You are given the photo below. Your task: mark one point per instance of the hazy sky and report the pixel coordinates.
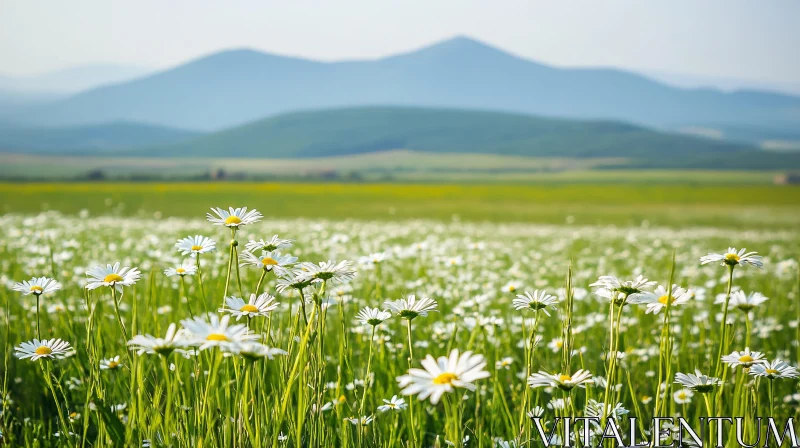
(756, 40)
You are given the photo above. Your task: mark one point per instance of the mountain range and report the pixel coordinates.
(235, 87)
(359, 130)
(336, 134)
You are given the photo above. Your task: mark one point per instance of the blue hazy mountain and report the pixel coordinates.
(88, 139)
(16, 102)
(72, 80)
(238, 86)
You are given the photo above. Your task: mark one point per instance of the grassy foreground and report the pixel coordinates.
(334, 378)
(758, 206)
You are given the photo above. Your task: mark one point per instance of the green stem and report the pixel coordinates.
(722, 332)
(230, 267)
(291, 378)
(200, 284)
(771, 398)
(411, 426)
(168, 411)
(303, 306)
(410, 346)
(38, 328)
(261, 279)
(709, 414)
(121, 324)
(366, 377)
(747, 326)
(48, 377)
(212, 375)
(182, 293)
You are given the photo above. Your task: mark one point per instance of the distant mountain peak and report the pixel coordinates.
(464, 41)
(459, 46)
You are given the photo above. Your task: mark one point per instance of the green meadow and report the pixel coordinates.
(589, 203)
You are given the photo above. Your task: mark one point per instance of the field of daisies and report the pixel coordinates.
(238, 330)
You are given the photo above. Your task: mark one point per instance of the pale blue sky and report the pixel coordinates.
(755, 40)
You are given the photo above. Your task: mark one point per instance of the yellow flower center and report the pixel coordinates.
(771, 371)
(180, 270)
(559, 344)
(682, 395)
(112, 278)
(269, 262)
(232, 220)
(196, 247)
(216, 337)
(248, 309)
(113, 365)
(563, 378)
(445, 378)
(43, 350)
(734, 258)
(663, 300)
(746, 358)
(511, 289)
(36, 288)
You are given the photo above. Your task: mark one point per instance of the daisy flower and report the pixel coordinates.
(537, 411)
(500, 443)
(732, 258)
(363, 421)
(182, 270)
(172, 341)
(268, 261)
(394, 404)
(269, 245)
(600, 410)
(112, 276)
(194, 245)
(37, 286)
(214, 331)
(409, 307)
(556, 345)
(560, 380)
(697, 381)
(537, 301)
(745, 358)
(372, 316)
(444, 374)
(47, 349)
(683, 396)
(373, 258)
(656, 301)
(327, 271)
(774, 369)
(504, 363)
(255, 306)
(110, 363)
(297, 282)
(612, 288)
(743, 302)
(234, 217)
(511, 287)
(255, 351)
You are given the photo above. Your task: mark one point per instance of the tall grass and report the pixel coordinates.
(335, 373)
